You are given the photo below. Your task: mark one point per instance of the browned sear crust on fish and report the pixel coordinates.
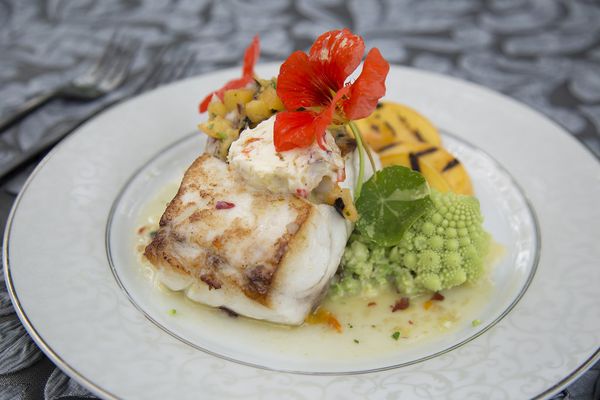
(226, 234)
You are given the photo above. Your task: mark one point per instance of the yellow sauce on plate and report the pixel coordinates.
(368, 325)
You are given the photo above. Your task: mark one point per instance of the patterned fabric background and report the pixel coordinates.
(545, 53)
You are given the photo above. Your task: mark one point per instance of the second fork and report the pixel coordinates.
(108, 73)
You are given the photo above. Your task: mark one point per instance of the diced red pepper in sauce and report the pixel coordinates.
(224, 205)
(322, 316)
(437, 296)
(401, 304)
(302, 193)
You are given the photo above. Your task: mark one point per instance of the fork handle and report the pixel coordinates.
(26, 108)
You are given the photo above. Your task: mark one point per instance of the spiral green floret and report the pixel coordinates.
(444, 248)
(452, 244)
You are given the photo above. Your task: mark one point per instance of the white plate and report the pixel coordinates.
(120, 344)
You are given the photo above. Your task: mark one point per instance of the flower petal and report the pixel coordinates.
(294, 129)
(368, 88)
(250, 57)
(298, 85)
(327, 114)
(338, 54)
(204, 103)
(309, 80)
(232, 84)
(300, 128)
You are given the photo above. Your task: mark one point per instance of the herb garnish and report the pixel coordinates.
(390, 202)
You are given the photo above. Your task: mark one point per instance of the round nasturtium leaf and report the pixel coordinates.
(390, 202)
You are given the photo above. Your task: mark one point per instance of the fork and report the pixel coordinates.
(169, 69)
(106, 75)
(177, 67)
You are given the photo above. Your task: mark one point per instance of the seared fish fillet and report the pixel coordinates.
(263, 255)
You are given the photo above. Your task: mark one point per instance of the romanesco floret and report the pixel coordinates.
(444, 248)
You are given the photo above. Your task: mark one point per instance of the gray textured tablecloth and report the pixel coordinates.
(545, 53)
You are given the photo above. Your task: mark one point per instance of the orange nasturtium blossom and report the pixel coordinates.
(312, 88)
(250, 58)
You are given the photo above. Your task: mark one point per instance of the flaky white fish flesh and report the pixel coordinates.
(264, 255)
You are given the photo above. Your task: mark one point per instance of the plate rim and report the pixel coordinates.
(98, 390)
(31, 331)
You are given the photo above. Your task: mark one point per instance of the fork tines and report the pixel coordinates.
(173, 65)
(113, 64)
